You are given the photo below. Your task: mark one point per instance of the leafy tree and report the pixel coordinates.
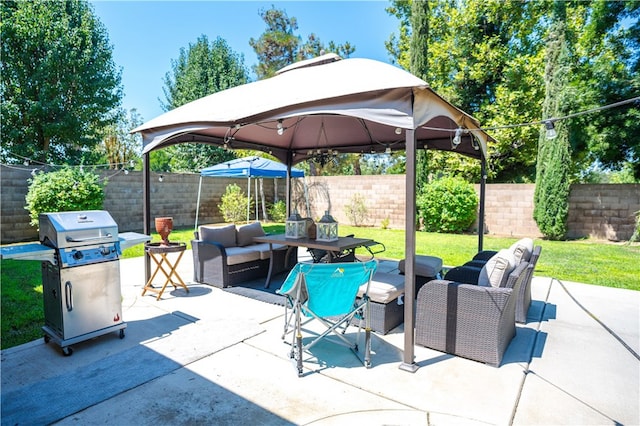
(279, 46)
(487, 57)
(59, 82)
(605, 70)
(551, 197)
(200, 70)
(68, 189)
(469, 50)
(120, 147)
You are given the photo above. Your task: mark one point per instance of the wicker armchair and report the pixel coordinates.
(469, 274)
(468, 320)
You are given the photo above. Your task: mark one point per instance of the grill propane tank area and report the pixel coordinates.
(80, 255)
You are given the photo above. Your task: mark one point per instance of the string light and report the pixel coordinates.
(456, 139)
(535, 123)
(551, 129)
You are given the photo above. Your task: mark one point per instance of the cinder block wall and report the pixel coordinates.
(384, 196)
(599, 211)
(603, 211)
(509, 210)
(175, 196)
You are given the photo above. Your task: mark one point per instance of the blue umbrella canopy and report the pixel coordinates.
(250, 167)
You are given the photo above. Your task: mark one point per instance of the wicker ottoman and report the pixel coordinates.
(427, 268)
(386, 308)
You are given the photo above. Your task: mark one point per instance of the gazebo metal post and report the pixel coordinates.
(483, 194)
(146, 211)
(288, 186)
(195, 226)
(408, 361)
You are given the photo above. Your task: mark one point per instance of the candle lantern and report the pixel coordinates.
(327, 228)
(295, 226)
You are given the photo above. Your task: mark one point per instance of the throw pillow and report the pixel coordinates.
(495, 272)
(522, 250)
(247, 232)
(225, 235)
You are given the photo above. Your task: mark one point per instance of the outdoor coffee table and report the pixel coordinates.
(331, 247)
(159, 252)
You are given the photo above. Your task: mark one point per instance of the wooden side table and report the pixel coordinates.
(159, 252)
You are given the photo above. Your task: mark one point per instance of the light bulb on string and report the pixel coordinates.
(551, 129)
(456, 139)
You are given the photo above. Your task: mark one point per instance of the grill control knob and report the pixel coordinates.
(105, 251)
(77, 255)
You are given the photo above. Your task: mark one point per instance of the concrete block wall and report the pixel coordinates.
(14, 219)
(598, 211)
(603, 211)
(509, 210)
(175, 196)
(384, 197)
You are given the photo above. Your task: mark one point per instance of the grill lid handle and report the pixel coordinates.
(84, 240)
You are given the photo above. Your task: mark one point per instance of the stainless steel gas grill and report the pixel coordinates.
(82, 297)
(80, 274)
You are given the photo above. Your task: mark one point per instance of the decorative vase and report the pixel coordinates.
(164, 226)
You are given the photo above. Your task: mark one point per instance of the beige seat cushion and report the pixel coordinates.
(426, 266)
(497, 269)
(263, 249)
(225, 235)
(246, 233)
(384, 287)
(237, 255)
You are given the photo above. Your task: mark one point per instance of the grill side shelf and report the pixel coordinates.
(30, 251)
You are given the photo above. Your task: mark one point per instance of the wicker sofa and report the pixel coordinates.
(469, 320)
(226, 256)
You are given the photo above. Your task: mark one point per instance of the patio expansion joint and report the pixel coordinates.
(596, 319)
(527, 366)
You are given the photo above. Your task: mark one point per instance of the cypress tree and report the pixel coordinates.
(551, 197)
(418, 49)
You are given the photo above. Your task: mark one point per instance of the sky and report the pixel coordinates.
(147, 35)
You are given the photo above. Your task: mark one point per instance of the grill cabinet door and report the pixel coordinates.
(91, 298)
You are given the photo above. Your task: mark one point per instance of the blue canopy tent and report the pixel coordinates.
(246, 167)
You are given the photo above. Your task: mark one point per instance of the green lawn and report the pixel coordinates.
(586, 261)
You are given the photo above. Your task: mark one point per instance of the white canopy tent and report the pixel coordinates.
(325, 106)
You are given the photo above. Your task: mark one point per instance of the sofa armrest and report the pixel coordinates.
(209, 262)
(464, 274)
(485, 255)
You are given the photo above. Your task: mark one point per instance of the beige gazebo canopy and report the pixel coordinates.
(320, 107)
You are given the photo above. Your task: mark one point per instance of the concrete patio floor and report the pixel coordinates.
(213, 357)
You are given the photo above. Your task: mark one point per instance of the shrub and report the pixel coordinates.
(278, 211)
(234, 204)
(384, 223)
(356, 210)
(67, 189)
(448, 205)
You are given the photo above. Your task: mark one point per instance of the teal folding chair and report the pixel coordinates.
(328, 292)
